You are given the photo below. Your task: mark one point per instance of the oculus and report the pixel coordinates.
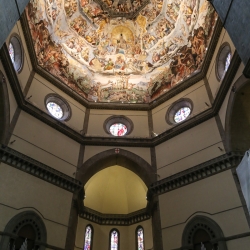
(118, 129)
(223, 61)
(12, 53)
(58, 107)
(104, 54)
(16, 52)
(179, 111)
(182, 114)
(118, 125)
(55, 110)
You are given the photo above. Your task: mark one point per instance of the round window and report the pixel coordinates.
(16, 52)
(118, 129)
(55, 110)
(118, 125)
(227, 63)
(179, 111)
(182, 114)
(57, 107)
(223, 61)
(12, 53)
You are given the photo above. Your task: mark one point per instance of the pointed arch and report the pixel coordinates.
(119, 157)
(204, 228)
(19, 221)
(237, 121)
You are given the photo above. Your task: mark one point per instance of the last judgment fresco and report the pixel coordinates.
(97, 49)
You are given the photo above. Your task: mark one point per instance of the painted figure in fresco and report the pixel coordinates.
(109, 65)
(70, 7)
(176, 40)
(155, 57)
(120, 63)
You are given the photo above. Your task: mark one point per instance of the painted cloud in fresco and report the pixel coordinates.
(117, 59)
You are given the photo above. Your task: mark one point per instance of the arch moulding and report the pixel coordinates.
(240, 83)
(18, 221)
(119, 157)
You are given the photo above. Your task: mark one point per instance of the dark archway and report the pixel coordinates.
(25, 225)
(4, 110)
(202, 229)
(237, 124)
(119, 157)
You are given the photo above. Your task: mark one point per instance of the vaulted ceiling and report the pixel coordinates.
(121, 51)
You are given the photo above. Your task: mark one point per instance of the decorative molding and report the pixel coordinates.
(212, 229)
(114, 219)
(47, 246)
(46, 173)
(114, 141)
(197, 173)
(38, 169)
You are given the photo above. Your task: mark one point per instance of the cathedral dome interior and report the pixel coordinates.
(121, 52)
(124, 125)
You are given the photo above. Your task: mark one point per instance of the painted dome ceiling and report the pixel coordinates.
(129, 51)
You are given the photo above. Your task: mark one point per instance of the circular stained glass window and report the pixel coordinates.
(55, 110)
(118, 129)
(223, 61)
(182, 114)
(16, 52)
(12, 53)
(58, 107)
(227, 63)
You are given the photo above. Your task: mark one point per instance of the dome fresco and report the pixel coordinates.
(121, 51)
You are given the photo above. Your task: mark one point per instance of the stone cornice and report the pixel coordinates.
(39, 170)
(114, 219)
(119, 106)
(124, 141)
(196, 173)
(46, 173)
(115, 141)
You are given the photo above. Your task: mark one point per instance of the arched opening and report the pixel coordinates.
(238, 116)
(120, 157)
(26, 230)
(4, 110)
(26, 237)
(201, 238)
(115, 190)
(203, 233)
